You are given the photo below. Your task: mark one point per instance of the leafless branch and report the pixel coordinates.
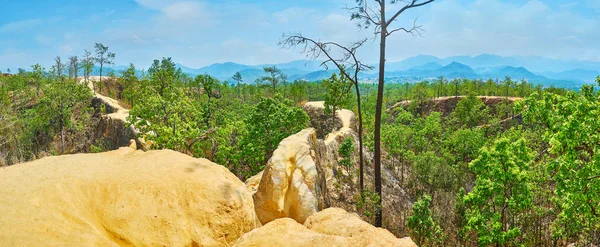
(415, 30)
(412, 4)
(366, 14)
(315, 49)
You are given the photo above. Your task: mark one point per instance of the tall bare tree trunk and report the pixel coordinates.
(360, 140)
(378, 108)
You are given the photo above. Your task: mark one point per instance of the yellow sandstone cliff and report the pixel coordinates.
(123, 198)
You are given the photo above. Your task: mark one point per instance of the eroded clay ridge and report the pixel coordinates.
(487, 100)
(114, 126)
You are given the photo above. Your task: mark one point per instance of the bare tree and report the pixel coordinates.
(348, 64)
(376, 18)
(73, 67)
(59, 67)
(88, 65)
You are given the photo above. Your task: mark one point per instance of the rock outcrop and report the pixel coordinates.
(297, 178)
(328, 228)
(329, 146)
(341, 185)
(289, 185)
(304, 175)
(447, 104)
(123, 198)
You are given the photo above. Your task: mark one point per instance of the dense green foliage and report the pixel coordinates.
(572, 137)
(167, 115)
(346, 151)
(423, 229)
(269, 122)
(501, 194)
(42, 113)
(205, 118)
(337, 90)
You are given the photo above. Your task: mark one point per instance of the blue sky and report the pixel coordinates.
(197, 33)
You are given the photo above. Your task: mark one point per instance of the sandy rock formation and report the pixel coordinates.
(123, 198)
(304, 175)
(330, 145)
(112, 130)
(253, 182)
(289, 185)
(328, 228)
(341, 187)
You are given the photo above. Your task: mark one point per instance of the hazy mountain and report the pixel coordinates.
(427, 66)
(532, 63)
(454, 70)
(316, 75)
(564, 73)
(300, 65)
(221, 70)
(588, 76)
(503, 71)
(411, 63)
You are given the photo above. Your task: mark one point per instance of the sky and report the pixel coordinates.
(198, 33)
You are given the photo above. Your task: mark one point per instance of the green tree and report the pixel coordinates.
(469, 112)
(346, 151)
(130, 84)
(423, 229)
(63, 107)
(269, 122)
(508, 83)
(38, 76)
(573, 137)
(208, 84)
(167, 117)
(274, 77)
(88, 65)
(103, 56)
(502, 192)
(336, 94)
(439, 86)
(397, 139)
(237, 77)
(298, 91)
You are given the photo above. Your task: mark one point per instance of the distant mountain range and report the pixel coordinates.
(539, 70)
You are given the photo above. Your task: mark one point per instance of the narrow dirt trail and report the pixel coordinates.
(117, 111)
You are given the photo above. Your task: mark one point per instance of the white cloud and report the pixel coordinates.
(65, 49)
(293, 14)
(186, 11)
(44, 40)
(339, 28)
(17, 60)
(202, 32)
(19, 26)
(155, 4)
(492, 26)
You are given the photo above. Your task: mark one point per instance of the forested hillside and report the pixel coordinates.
(517, 167)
